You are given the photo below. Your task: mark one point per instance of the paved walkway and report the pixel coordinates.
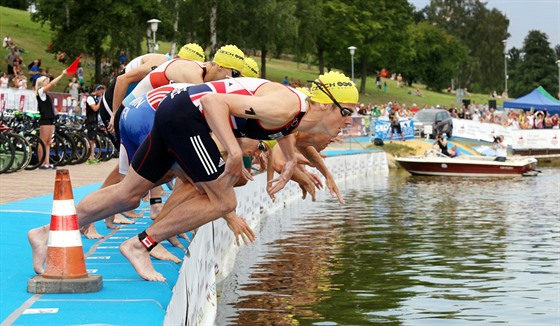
(25, 184)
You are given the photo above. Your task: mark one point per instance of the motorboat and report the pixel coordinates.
(435, 163)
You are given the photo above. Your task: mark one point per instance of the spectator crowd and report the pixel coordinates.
(513, 118)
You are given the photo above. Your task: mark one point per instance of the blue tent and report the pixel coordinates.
(539, 99)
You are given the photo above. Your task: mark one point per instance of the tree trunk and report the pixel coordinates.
(321, 58)
(97, 76)
(364, 65)
(173, 50)
(213, 22)
(264, 53)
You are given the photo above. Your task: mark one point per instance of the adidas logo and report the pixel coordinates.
(221, 162)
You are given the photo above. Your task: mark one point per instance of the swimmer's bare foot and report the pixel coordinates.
(109, 222)
(155, 209)
(175, 242)
(39, 239)
(89, 231)
(120, 219)
(131, 214)
(139, 257)
(159, 252)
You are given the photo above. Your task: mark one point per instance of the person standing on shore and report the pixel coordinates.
(48, 115)
(395, 118)
(93, 102)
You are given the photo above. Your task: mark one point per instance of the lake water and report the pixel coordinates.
(406, 250)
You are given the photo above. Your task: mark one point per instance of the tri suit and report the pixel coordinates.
(180, 133)
(155, 79)
(106, 111)
(137, 120)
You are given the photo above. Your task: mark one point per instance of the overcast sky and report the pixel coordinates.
(524, 15)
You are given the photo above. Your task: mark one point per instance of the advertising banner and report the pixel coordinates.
(382, 129)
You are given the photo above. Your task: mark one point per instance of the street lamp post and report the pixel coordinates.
(153, 27)
(558, 63)
(352, 51)
(506, 57)
(505, 69)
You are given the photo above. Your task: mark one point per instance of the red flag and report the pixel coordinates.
(73, 67)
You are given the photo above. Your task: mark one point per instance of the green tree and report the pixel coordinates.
(16, 4)
(377, 28)
(436, 56)
(272, 24)
(534, 67)
(84, 27)
(310, 24)
(482, 31)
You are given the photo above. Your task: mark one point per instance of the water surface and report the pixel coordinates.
(406, 250)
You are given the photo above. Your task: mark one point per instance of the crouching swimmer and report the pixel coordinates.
(243, 107)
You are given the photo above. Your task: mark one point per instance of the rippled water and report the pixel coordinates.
(406, 251)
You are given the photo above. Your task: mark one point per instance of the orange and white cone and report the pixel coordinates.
(65, 256)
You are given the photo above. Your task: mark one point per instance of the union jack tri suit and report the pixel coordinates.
(181, 135)
(137, 120)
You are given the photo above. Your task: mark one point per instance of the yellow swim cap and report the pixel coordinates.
(340, 87)
(304, 91)
(250, 69)
(270, 143)
(192, 51)
(229, 56)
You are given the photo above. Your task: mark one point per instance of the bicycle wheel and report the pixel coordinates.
(98, 150)
(36, 143)
(82, 148)
(22, 152)
(57, 150)
(70, 149)
(7, 154)
(108, 150)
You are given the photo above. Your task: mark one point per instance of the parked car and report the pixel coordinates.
(440, 121)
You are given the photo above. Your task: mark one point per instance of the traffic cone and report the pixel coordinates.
(65, 270)
(65, 256)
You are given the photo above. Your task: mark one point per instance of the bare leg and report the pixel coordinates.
(188, 215)
(159, 252)
(179, 195)
(120, 219)
(113, 178)
(175, 242)
(139, 257)
(131, 214)
(89, 231)
(155, 209)
(182, 192)
(97, 205)
(38, 239)
(113, 199)
(45, 133)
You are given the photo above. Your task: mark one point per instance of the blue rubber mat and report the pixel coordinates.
(125, 298)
